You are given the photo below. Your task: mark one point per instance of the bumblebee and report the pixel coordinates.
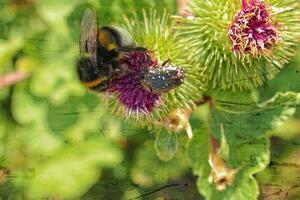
(162, 78)
(100, 52)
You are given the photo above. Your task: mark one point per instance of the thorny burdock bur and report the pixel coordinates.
(111, 62)
(238, 45)
(157, 81)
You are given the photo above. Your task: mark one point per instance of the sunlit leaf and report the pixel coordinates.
(71, 172)
(248, 152)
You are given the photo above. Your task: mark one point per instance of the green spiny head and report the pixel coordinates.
(130, 98)
(240, 44)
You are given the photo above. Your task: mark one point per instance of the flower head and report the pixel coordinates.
(252, 31)
(132, 98)
(129, 88)
(240, 44)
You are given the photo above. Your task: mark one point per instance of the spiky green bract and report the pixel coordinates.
(206, 35)
(155, 31)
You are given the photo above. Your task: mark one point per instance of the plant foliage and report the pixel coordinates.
(240, 112)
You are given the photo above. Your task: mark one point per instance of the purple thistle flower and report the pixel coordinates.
(252, 31)
(128, 87)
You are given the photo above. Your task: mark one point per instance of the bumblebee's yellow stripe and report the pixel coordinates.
(106, 41)
(104, 38)
(94, 82)
(111, 46)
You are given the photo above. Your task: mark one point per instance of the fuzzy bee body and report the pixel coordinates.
(112, 42)
(90, 77)
(100, 52)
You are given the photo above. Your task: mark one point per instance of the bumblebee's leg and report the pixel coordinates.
(116, 68)
(123, 51)
(141, 49)
(132, 49)
(86, 71)
(89, 77)
(168, 61)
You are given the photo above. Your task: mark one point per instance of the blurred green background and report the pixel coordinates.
(57, 140)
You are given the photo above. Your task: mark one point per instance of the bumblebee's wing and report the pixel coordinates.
(88, 36)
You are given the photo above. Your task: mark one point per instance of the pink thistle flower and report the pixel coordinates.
(129, 89)
(252, 31)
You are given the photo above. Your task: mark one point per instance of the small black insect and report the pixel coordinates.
(101, 49)
(163, 78)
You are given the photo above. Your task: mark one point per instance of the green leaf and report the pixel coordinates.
(224, 147)
(253, 124)
(9, 48)
(25, 108)
(54, 12)
(247, 102)
(235, 102)
(287, 80)
(166, 144)
(288, 99)
(71, 172)
(198, 150)
(248, 152)
(148, 170)
(274, 113)
(245, 187)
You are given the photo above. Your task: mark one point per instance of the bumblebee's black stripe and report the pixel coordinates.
(89, 76)
(106, 55)
(85, 70)
(112, 37)
(133, 49)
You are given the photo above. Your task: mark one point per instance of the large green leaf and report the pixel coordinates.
(248, 151)
(147, 169)
(71, 172)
